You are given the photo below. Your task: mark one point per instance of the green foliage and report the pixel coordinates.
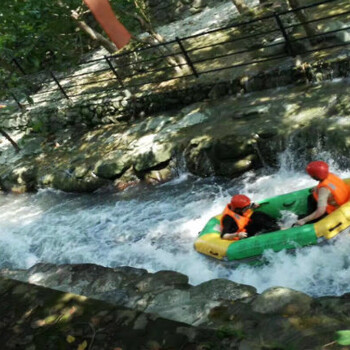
(38, 126)
(125, 10)
(32, 30)
(42, 35)
(227, 332)
(343, 337)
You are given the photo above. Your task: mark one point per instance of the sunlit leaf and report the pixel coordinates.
(343, 337)
(70, 339)
(83, 345)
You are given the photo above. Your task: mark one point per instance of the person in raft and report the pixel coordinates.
(330, 193)
(239, 220)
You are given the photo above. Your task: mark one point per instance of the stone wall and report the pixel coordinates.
(124, 107)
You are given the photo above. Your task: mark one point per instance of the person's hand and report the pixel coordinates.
(300, 222)
(242, 235)
(255, 205)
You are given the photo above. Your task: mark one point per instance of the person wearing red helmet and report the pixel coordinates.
(330, 193)
(239, 220)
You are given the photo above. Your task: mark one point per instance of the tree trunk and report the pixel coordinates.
(108, 45)
(302, 18)
(241, 6)
(156, 38)
(14, 144)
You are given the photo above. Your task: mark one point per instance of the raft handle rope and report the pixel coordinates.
(287, 205)
(213, 253)
(336, 226)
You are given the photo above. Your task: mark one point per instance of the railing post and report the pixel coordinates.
(114, 71)
(187, 57)
(18, 66)
(59, 85)
(284, 33)
(13, 95)
(17, 101)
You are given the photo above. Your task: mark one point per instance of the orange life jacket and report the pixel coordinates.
(241, 220)
(340, 192)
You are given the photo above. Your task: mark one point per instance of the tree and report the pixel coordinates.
(241, 6)
(43, 34)
(94, 35)
(302, 17)
(141, 15)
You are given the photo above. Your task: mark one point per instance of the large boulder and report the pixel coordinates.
(151, 156)
(279, 300)
(222, 289)
(113, 165)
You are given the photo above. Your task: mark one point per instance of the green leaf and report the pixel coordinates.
(343, 337)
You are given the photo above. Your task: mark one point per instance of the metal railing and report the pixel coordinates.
(274, 37)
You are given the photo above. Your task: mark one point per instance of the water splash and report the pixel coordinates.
(155, 227)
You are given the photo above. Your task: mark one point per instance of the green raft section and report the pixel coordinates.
(210, 243)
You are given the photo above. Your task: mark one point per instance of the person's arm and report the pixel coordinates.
(323, 195)
(231, 236)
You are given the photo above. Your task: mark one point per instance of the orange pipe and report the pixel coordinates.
(103, 13)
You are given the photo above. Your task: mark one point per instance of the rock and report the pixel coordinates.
(157, 155)
(198, 156)
(66, 181)
(158, 176)
(342, 35)
(260, 109)
(75, 319)
(192, 118)
(128, 179)
(222, 289)
(162, 280)
(218, 91)
(80, 171)
(234, 168)
(113, 165)
(178, 304)
(231, 148)
(280, 300)
(275, 47)
(248, 345)
(19, 179)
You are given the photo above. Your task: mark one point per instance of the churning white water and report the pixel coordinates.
(155, 227)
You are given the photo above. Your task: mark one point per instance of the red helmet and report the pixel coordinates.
(318, 170)
(239, 201)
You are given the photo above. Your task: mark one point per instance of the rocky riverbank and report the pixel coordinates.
(167, 312)
(222, 137)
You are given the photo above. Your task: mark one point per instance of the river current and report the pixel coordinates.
(154, 228)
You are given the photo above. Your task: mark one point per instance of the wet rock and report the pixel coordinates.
(178, 304)
(19, 179)
(235, 313)
(282, 301)
(113, 165)
(157, 155)
(342, 33)
(66, 181)
(129, 178)
(222, 289)
(161, 281)
(158, 176)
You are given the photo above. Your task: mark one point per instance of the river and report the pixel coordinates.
(155, 227)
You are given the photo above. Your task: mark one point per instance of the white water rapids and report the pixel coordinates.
(155, 227)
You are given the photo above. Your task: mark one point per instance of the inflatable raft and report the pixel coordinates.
(210, 243)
